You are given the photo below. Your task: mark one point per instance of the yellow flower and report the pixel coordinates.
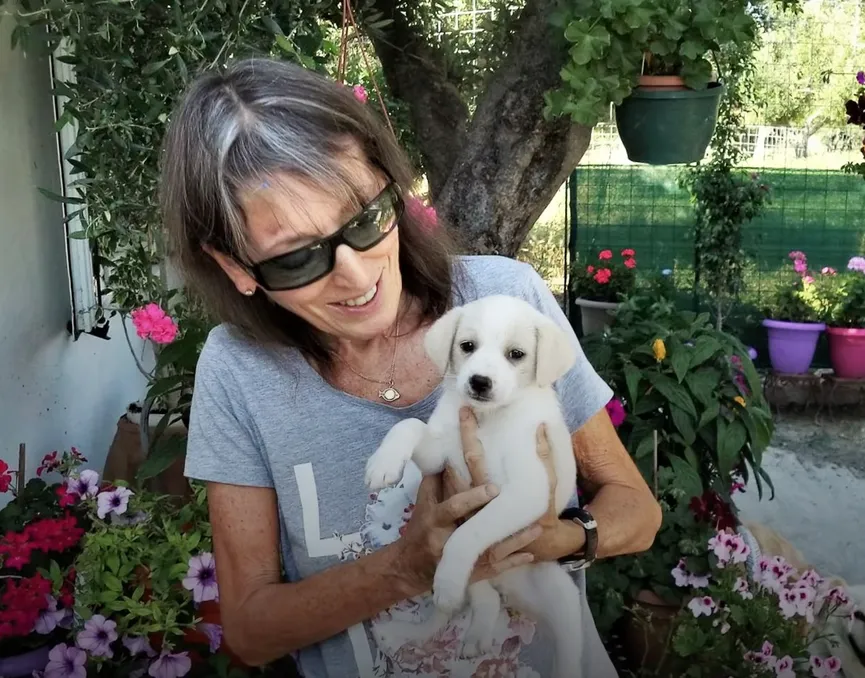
(740, 400)
(659, 349)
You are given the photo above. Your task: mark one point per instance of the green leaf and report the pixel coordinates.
(154, 66)
(633, 375)
(703, 349)
(708, 415)
(731, 440)
(590, 42)
(684, 424)
(166, 385)
(687, 478)
(166, 451)
(702, 384)
(691, 457)
(680, 359)
(646, 446)
(60, 198)
(78, 235)
(673, 392)
(113, 563)
(692, 49)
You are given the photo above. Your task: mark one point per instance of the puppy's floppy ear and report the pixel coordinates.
(440, 338)
(554, 353)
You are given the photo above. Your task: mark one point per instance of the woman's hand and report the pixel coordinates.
(435, 518)
(554, 538)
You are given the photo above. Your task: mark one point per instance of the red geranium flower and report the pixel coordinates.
(5, 476)
(603, 276)
(630, 263)
(590, 269)
(628, 252)
(606, 254)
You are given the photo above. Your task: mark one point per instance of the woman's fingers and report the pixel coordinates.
(460, 505)
(473, 451)
(452, 483)
(545, 453)
(514, 543)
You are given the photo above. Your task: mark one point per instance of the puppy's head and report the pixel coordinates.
(495, 347)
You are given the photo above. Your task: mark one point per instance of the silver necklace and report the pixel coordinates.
(389, 394)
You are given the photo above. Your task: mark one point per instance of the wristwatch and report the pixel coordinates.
(580, 561)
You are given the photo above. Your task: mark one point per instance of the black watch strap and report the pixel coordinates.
(580, 561)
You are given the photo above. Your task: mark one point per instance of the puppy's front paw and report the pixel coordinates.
(449, 594)
(476, 644)
(383, 469)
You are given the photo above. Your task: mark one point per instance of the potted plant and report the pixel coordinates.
(696, 423)
(651, 60)
(749, 616)
(794, 317)
(846, 331)
(41, 531)
(600, 286)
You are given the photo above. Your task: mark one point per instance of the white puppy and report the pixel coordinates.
(501, 356)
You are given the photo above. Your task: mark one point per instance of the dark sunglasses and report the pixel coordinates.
(305, 265)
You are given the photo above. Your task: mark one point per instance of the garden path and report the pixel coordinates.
(819, 474)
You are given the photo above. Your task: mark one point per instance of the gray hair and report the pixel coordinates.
(243, 126)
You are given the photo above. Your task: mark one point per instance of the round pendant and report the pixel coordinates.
(389, 395)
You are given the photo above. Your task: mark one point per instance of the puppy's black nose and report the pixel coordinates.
(480, 384)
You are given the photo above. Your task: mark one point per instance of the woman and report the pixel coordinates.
(284, 198)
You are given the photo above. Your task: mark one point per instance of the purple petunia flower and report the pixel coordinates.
(616, 411)
(49, 618)
(860, 77)
(113, 501)
(138, 645)
(201, 578)
(171, 666)
(66, 662)
(97, 636)
(213, 633)
(86, 485)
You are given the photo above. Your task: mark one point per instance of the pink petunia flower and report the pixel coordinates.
(860, 77)
(151, 322)
(360, 94)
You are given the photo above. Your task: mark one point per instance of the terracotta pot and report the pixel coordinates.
(645, 632)
(664, 82)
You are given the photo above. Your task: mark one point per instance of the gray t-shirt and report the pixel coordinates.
(264, 417)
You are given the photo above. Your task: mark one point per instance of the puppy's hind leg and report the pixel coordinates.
(486, 604)
(546, 593)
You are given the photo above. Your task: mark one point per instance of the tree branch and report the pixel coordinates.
(415, 73)
(513, 160)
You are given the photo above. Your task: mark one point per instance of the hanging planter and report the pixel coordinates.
(664, 122)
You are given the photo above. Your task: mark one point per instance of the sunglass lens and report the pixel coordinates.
(297, 268)
(375, 222)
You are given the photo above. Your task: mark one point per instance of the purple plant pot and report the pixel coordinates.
(22, 665)
(792, 345)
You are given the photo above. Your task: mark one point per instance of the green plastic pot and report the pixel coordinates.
(668, 126)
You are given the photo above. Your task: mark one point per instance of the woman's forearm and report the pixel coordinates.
(277, 619)
(628, 520)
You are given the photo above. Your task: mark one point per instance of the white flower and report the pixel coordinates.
(702, 606)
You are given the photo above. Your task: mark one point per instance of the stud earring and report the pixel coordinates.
(249, 293)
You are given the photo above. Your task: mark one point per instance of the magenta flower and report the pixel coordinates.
(66, 662)
(86, 485)
(828, 270)
(151, 322)
(808, 280)
(425, 214)
(113, 501)
(360, 94)
(201, 578)
(825, 668)
(138, 645)
(97, 636)
(860, 77)
(800, 266)
(616, 410)
(171, 666)
(795, 255)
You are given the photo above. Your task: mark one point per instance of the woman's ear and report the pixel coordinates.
(242, 280)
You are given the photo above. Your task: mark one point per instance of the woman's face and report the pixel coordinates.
(359, 299)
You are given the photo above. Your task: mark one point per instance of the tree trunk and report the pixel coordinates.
(493, 180)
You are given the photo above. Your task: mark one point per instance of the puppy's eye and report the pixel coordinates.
(467, 346)
(516, 354)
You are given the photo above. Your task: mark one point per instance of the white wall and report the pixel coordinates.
(54, 392)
